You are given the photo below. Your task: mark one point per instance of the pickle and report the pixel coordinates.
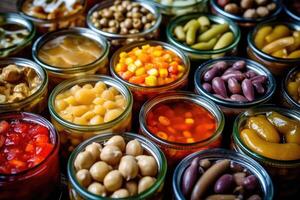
(282, 53)
(187, 25)
(296, 45)
(288, 127)
(278, 44)
(294, 54)
(191, 32)
(278, 32)
(225, 40)
(204, 21)
(179, 33)
(205, 45)
(213, 32)
(259, 39)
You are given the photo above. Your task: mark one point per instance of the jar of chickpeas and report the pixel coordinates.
(83, 107)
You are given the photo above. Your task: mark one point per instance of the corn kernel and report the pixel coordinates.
(151, 81)
(157, 53)
(60, 105)
(100, 110)
(152, 72)
(140, 71)
(129, 61)
(138, 63)
(80, 121)
(164, 120)
(123, 54)
(71, 100)
(99, 101)
(118, 67)
(96, 120)
(187, 134)
(88, 115)
(163, 73)
(132, 68)
(190, 140)
(145, 47)
(189, 121)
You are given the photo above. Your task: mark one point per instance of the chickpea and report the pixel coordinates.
(271, 6)
(117, 141)
(121, 9)
(124, 31)
(128, 167)
(97, 188)
(132, 188)
(134, 31)
(113, 181)
(147, 26)
(129, 14)
(262, 11)
(232, 8)
(144, 20)
(150, 17)
(112, 30)
(95, 15)
(120, 193)
(134, 148)
(119, 16)
(144, 10)
(136, 14)
(246, 3)
(113, 23)
(261, 2)
(250, 13)
(145, 183)
(103, 22)
(112, 114)
(128, 23)
(113, 8)
(94, 149)
(107, 13)
(84, 160)
(111, 154)
(99, 170)
(137, 23)
(147, 165)
(83, 177)
(125, 3)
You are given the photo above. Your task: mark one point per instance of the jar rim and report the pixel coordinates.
(150, 147)
(284, 86)
(178, 52)
(242, 19)
(26, 116)
(290, 13)
(67, 84)
(255, 66)
(182, 18)
(108, 3)
(55, 20)
(218, 153)
(165, 6)
(41, 72)
(84, 32)
(251, 44)
(187, 96)
(257, 110)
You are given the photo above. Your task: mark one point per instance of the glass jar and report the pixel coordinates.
(77, 192)
(58, 74)
(142, 93)
(195, 54)
(216, 154)
(118, 40)
(175, 151)
(278, 66)
(47, 25)
(240, 20)
(40, 181)
(288, 7)
(285, 174)
(72, 134)
(23, 46)
(231, 108)
(38, 100)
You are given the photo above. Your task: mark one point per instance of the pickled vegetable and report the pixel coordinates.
(293, 87)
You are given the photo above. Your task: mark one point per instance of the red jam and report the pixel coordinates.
(23, 145)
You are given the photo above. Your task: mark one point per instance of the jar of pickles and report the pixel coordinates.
(24, 86)
(144, 179)
(29, 166)
(53, 15)
(71, 53)
(271, 136)
(16, 34)
(89, 105)
(181, 123)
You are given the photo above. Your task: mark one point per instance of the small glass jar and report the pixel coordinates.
(288, 9)
(231, 108)
(23, 46)
(58, 74)
(40, 181)
(278, 66)
(195, 54)
(217, 154)
(142, 93)
(175, 151)
(285, 174)
(38, 100)
(118, 40)
(47, 25)
(240, 20)
(77, 192)
(72, 134)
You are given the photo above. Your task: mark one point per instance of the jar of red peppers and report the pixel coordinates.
(29, 164)
(181, 123)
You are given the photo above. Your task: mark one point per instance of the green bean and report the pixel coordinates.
(205, 45)
(191, 33)
(179, 33)
(213, 32)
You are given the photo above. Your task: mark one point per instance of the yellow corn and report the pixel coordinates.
(151, 81)
(138, 63)
(132, 68)
(123, 54)
(157, 53)
(152, 72)
(129, 61)
(118, 67)
(140, 71)
(163, 73)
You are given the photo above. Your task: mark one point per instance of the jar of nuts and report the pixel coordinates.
(124, 22)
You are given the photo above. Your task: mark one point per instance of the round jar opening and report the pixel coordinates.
(291, 8)
(290, 87)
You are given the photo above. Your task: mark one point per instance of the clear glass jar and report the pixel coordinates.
(58, 74)
(195, 54)
(118, 40)
(285, 174)
(242, 21)
(288, 10)
(47, 25)
(217, 154)
(72, 134)
(231, 108)
(278, 66)
(142, 93)
(77, 192)
(23, 46)
(176, 151)
(39, 182)
(37, 101)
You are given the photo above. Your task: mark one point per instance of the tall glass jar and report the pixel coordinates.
(38, 100)
(285, 174)
(72, 134)
(175, 151)
(219, 154)
(40, 181)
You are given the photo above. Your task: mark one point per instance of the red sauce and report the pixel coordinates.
(23, 145)
(181, 122)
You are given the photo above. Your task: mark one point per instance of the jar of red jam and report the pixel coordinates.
(29, 164)
(181, 123)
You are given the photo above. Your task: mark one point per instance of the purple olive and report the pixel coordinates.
(233, 86)
(230, 69)
(248, 89)
(250, 74)
(224, 184)
(190, 177)
(239, 65)
(218, 86)
(254, 197)
(239, 178)
(210, 74)
(236, 167)
(207, 87)
(234, 74)
(250, 182)
(221, 65)
(259, 78)
(258, 87)
(238, 97)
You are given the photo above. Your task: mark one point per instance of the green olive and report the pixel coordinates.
(145, 183)
(83, 177)
(120, 193)
(134, 148)
(97, 188)
(84, 160)
(113, 181)
(99, 170)
(132, 188)
(147, 165)
(94, 149)
(111, 154)
(128, 167)
(117, 141)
